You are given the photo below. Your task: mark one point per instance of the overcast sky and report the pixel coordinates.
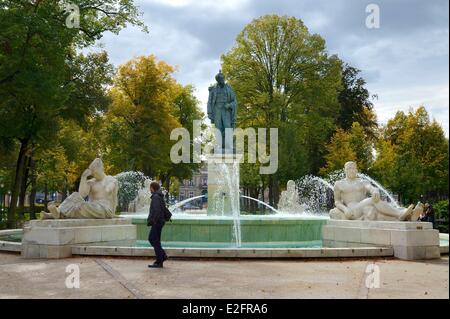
(405, 61)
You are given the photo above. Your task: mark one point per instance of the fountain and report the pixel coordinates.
(224, 224)
(386, 193)
(302, 219)
(315, 194)
(289, 200)
(229, 230)
(297, 222)
(223, 190)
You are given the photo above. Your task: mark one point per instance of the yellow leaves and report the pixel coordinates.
(412, 156)
(339, 152)
(348, 146)
(385, 157)
(142, 115)
(145, 80)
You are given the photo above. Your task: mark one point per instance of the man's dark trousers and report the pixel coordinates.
(155, 240)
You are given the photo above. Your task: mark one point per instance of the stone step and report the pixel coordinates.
(236, 252)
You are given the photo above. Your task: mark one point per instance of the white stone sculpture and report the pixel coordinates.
(289, 200)
(352, 202)
(143, 199)
(102, 191)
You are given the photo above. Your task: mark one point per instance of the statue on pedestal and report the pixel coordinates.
(289, 200)
(102, 191)
(143, 199)
(222, 107)
(352, 202)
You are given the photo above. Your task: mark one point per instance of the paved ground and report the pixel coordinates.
(130, 278)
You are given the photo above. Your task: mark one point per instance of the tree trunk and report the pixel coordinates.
(248, 201)
(33, 189)
(276, 191)
(263, 192)
(64, 192)
(23, 186)
(166, 183)
(45, 196)
(271, 190)
(17, 181)
(254, 193)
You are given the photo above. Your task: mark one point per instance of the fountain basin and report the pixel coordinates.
(257, 231)
(10, 241)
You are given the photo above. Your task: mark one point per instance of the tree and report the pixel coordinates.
(147, 104)
(252, 183)
(353, 145)
(355, 102)
(284, 78)
(340, 151)
(50, 170)
(412, 157)
(36, 49)
(186, 110)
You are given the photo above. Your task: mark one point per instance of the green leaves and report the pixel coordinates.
(43, 81)
(355, 101)
(284, 78)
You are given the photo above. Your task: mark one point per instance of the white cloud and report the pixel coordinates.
(434, 98)
(405, 62)
(226, 5)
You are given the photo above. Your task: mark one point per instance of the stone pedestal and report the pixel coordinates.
(223, 183)
(55, 238)
(410, 240)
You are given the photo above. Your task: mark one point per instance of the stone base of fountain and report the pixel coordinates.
(410, 240)
(223, 183)
(55, 238)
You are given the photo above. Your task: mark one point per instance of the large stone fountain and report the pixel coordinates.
(357, 220)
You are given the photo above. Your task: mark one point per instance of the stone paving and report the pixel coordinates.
(109, 277)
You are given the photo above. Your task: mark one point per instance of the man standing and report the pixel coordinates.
(222, 107)
(156, 221)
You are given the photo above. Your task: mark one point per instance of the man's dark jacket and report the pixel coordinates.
(156, 215)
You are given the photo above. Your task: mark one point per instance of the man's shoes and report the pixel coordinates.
(156, 265)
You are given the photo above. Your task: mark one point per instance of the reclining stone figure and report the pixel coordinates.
(102, 191)
(352, 203)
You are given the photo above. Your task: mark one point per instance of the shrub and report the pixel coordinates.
(441, 214)
(441, 209)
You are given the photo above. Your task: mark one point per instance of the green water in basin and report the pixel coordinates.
(256, 231)
(16, 238)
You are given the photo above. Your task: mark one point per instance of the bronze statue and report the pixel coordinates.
(222, 106)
